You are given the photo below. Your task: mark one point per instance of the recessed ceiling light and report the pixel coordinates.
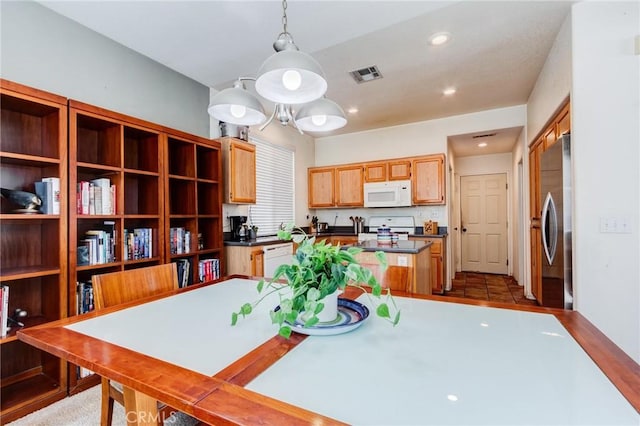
(482, 144)
(352, 110)
(438, 39)
(449, 91)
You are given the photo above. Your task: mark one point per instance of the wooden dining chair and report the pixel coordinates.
(120, 287)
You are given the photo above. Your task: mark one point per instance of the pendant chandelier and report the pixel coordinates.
(293, 80)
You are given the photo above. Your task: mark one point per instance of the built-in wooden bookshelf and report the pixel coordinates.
(33, 251)
(156, 178)
(129, 154)
(193, 205)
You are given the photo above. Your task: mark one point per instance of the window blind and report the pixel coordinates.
(275, 200)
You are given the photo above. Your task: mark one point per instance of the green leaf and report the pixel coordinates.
(260, 286)
(311, 321)
(234, 318)
(246, 309)
(285, 331)
(383, 311)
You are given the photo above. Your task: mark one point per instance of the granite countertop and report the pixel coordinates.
(428, 236)
(260, 241)
(402, 246)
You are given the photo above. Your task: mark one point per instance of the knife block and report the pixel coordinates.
(431, 228)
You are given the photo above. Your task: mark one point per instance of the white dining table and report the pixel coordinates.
(444, 363)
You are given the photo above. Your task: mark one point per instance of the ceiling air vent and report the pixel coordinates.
(486, 135)
(366, 74)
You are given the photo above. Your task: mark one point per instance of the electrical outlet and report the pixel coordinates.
(402, 261)
(435, 214)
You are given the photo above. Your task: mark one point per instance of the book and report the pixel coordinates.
(84, 197)
(55, 194)
(102, 194)
(4, 305)
(83, 255)
(43, 190)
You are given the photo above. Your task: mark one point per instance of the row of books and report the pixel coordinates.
(4, 310)
(97, 196)
(84, 297)
(179, 240)
(48, 189)
(185, 275)
(98, 245)
(209, 270)
(138, 243)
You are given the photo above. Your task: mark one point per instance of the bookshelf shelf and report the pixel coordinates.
(33, 136)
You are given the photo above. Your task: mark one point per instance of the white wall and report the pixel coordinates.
(553, 84)
(47, 51)
(606, 154)
(425, 137)
(520, 212)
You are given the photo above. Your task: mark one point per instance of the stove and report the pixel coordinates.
(401, 225)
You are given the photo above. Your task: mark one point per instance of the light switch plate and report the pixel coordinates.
(402, 261)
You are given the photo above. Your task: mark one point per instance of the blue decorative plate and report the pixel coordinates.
(351, 315)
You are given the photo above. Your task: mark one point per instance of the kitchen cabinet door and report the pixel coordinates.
(321, 187)
(349, 190)
(375, 172)
(399, 169)
(428, 180)
(563, 121)
(240, 171)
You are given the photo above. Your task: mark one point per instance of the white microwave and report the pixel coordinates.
(394, 193)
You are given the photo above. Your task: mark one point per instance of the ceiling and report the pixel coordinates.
(493, 59)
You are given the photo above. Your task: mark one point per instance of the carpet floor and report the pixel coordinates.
(83, 409)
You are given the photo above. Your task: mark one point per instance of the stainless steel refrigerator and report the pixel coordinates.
(555, 187)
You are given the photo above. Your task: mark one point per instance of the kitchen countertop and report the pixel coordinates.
(260, 241)
(402, 246)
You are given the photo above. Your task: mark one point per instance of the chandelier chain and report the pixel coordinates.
(284, 16)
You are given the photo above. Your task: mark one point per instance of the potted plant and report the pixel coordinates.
(320, 269)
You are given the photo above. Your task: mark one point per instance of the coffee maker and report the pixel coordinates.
(238, 232)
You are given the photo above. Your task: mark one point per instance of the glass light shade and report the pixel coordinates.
(320, 115)
(270, 83)
(229, 105)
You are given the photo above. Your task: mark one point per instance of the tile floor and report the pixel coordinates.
(494, 288)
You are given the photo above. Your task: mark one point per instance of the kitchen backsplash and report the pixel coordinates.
(421, 214)
(340, 217)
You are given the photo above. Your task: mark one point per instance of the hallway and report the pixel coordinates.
(490, 287)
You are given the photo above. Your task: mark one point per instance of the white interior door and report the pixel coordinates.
(483, 204)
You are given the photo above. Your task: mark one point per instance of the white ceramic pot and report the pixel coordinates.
(330, 311)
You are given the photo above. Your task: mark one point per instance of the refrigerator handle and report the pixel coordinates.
(549, 228)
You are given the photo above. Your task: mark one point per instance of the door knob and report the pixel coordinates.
(464, 229)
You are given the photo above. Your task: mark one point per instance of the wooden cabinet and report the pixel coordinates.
(438, 256)
(343, 240)
(336, 186)
(399, 169)
(559, 125)
(535, 210)
(34, 249)
(348, 186)
(438, 262)
(239, 159)
(193, 203)
(382, 171)
(375, 172)
(428, 180)
(245, 260)
(405, 271)
(321, 187)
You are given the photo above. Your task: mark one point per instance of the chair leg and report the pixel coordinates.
(106, 410)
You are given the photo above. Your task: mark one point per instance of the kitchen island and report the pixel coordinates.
(409, 264)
